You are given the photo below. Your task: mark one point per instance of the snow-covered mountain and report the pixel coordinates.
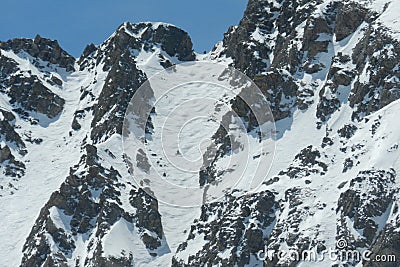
(330, 73)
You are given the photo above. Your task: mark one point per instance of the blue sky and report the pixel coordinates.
(77, 23)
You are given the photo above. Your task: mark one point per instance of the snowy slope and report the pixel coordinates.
(330, 72)
(44, 171)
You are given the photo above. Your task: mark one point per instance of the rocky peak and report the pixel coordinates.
(129, 37)
(118, 57)
(318, 63)
(176, 42)
(239, 43)
(41, 48)
(293, 38)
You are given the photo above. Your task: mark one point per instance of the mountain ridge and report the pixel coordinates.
(314, 66)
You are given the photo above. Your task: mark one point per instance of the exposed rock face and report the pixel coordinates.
(370, 196)
(222, 146)
(174, 41)
(288, 48)
(277, 86)
(349, 17)
(41, 49)
(5, 154)
(265, 45)
(109, 111)
(147, 218)
(329, 71)
(382, 87)
(28, 92)
(267, 42)
(8, 67)
(287, 233)
(387, 243)
(305, 163)
(88, 204)
(118, 56)
(239, 228)
(375, 46)
(32, 95)
(249, 44)
(10, 165)
(7, 131)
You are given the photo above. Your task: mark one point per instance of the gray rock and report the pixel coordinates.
(42, 48)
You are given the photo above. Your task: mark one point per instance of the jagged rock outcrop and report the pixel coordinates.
(329, 71)
(32, 95)
(349, 17)
(8, 67)
(174, 41)
(238, 231)
(120, 85)
(86, 206)
(387, 244)
(117, 56)
(300, 68)
(7, 131)
(382, 86)
(28, 92)
(286, 236)
(41, 49)
(11, 166)
(306, 162)
(267, 40)
(11, 146)
(364, 207)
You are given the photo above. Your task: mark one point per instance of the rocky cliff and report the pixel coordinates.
(330, 73)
